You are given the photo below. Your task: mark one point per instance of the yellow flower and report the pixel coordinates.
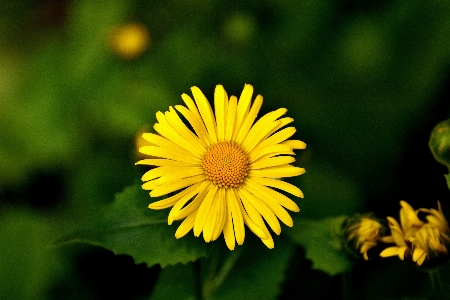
(223, 174)
(363, 233)
(130, 40)
(418, 240)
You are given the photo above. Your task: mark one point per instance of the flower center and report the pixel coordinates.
(225, 164)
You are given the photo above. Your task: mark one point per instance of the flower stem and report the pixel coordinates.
(436, 282)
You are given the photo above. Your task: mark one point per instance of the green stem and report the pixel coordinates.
(214, 280)
(436, 282)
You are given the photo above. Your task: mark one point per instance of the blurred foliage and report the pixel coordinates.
(365, 81)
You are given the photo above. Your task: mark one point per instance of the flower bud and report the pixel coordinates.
(440, 142)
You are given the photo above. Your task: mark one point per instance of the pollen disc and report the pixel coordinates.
(225, 164)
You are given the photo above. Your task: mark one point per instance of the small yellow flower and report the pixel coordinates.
(363, 233)
(223, 174)
(130, 40)
(417, 240)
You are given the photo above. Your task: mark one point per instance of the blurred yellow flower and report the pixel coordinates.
(417, 240)
(363, 233)
(223, 174)
(130, 40)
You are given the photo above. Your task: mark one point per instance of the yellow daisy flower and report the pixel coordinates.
(222, 175)
(363, 233)
(417, 240)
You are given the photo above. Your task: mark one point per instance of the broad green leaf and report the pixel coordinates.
(258, 272)
(129, 227)
(176, 282)
(321, 241)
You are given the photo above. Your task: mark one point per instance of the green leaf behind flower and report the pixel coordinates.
(322, 243)
(447, 177)
(129, 227)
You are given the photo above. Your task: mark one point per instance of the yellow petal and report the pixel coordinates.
(194, 189)
(170, 154)
(270, 151)
(262, 208)
(238, 221)
(179, 127)
(272, 162)
(295, 144)
(197, 125)
(174, 186)
(228, 232)
(271, 194)
(221, 214)
(206, 112)
(162, 163)
(243, 107)
(249, 119)
(273, 205)
(204, 210)
(191, 207)
(211, 220)
(231, 118)
(220, 105)
(168, 202)
(279, 184)
(170, 133)
(186, 225)
(261, 128)
(277, 172)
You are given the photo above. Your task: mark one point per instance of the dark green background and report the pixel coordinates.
(365, 81)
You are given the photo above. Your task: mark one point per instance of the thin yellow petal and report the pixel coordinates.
(228, 232)
(188, 209)
(238, 221)
(390, 251)
(206, 112)
(162, 163)
(274, 139)
(163, 142)
(243, 107)
(204, 210)
(295, 144)
(220, 106)
(249, 119)
(170, 133)
(178, 125)
(269, 151)
(276, 208)
(272, 162)
(194, 190)
(169, 154)
(231, 118)
(150, 185)
(193, 109)
(271, 194)
(251, 224)
(277, 172)
(261, 128)
(186, 225)
(211, 220)
(197, 125)
(279, 184)
(168, 202)
(160, 171)
(174, 186)
(262, 208)
(179, 174)
(221, 214)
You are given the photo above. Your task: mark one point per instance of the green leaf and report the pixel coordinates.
(129, 227)
(447, 177)
(258, 273)
(176, 282)
(322, 243)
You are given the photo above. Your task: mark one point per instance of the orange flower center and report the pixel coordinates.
(225, 164)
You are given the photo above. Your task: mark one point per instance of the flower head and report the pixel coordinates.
(363, 233)
(222, 173)
(417, 240)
